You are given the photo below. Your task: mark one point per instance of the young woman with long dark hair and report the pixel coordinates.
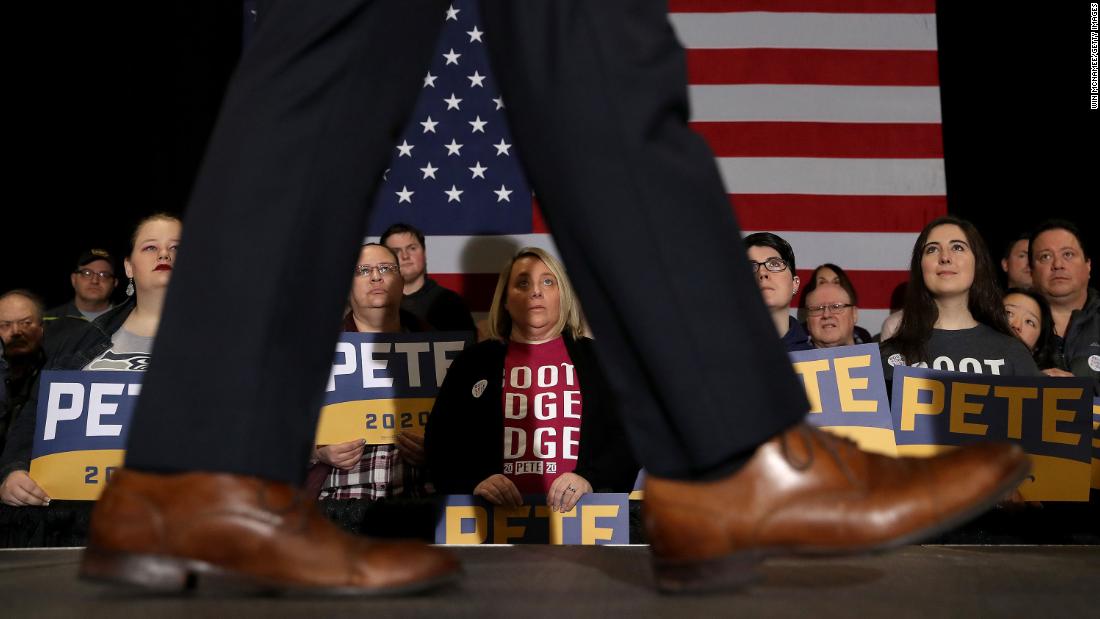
(953, 317)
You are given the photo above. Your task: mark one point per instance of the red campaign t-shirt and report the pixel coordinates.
(542, 414)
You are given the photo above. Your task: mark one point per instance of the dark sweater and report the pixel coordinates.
(465, 433)
(441, 308)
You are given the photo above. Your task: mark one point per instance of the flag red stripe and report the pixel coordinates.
(874, 287)
(820, 213)
(813, 66)
(538, 224)
(803, 6)
(476, 288)
(817, 139)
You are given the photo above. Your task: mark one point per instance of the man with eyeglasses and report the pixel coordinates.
(93, 282)
(772, 261)
(831, 316)
(21, 332)
(355, 470)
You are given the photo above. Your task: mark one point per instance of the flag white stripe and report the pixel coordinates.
(478, 254)
(872, 319)
(804, 103)
(854, 251)
(845, 177)
(806, 30)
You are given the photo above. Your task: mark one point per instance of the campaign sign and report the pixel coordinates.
(384, 383)
(847, 394)
(80, 430)
(1096, 444)
(1051, 418)
(597, 519)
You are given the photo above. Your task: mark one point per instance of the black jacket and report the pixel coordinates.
(1079, 352)
(465, 434)
(80, 344)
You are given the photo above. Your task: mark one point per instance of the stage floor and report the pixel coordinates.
(608, 582)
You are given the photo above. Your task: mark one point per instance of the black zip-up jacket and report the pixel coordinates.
(80, 344)
(1080, 350)
(464, 439)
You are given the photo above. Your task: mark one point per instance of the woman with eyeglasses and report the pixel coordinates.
(772, 261)
(953, 317)
(536, 386)
(121, 339)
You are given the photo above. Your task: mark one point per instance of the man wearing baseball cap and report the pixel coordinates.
(94, 281)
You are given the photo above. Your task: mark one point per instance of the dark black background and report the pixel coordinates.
(109, 107)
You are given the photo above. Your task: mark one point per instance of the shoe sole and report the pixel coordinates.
(174, 575)
(736, 570)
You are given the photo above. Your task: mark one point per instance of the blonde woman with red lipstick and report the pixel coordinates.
(953, 317)
(121, 339)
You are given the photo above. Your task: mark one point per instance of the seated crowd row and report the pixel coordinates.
(954, 317)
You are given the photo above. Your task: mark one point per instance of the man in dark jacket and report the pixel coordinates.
(1060, 270)
(440, 307)
(22, 334)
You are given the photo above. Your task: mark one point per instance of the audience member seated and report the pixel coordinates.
(831, 316)
(94, 281)
(1060, 269)
(1016, 263)
(890, 324)
(1029, 317)
(353, 469)
(439, 307)
(21, 334)
(121, 339)
(953, 316)
(829, 273)
(562, 434)
(772, 261)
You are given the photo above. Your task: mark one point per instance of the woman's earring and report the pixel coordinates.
(130, 288)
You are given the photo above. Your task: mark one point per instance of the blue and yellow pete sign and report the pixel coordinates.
(1051, 418)
(384, 383)
(847, 394)
(80, 430)
(1096, 444)
(598, 518)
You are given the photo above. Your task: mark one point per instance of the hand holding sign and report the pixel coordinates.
(410, 446)
(20, 490)
(499, 490)
(1057, 372)
(566, 490)
(341, 455)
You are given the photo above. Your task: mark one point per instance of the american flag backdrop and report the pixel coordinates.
(824, 116)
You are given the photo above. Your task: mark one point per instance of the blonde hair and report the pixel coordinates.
(569, 316)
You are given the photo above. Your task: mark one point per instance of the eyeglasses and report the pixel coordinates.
(384, 269)
(836, 308)
(774, 265)
(89, 274)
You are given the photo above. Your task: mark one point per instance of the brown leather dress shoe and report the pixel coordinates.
(809, 492)
(167, 532)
